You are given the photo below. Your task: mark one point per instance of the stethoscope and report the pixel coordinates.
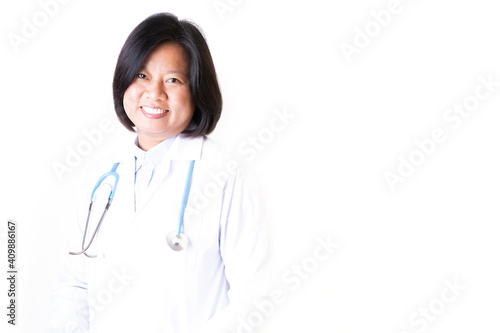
(176, 240)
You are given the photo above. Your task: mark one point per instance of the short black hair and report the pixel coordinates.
(164, 28)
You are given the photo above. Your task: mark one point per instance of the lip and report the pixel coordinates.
(152, 115)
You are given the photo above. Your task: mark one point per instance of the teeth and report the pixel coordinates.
(149, 110)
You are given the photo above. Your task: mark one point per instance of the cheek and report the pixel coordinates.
(184, 98)
(131, 97)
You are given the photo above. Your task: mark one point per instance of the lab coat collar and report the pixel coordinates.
(183, 148)
(186, 148)
(155, 155)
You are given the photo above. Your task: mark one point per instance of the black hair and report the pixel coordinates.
(164, 28)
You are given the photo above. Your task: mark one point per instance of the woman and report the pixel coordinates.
(138, 274)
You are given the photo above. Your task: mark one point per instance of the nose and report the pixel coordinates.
(155, 90)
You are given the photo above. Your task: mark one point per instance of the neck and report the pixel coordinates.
(147, 143)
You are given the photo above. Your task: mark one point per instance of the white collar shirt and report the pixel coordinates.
(146, 163)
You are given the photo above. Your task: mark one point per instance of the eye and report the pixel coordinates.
(174, 80)
(141, 76)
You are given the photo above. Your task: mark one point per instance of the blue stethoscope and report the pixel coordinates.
(175, 239)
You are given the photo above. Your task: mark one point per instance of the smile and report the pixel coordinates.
(151, 110)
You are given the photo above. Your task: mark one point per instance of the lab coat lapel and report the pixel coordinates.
(158, 178)
(183, 148)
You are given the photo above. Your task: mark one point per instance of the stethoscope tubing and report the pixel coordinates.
(185, 196)
(84, 249)
(112, 173)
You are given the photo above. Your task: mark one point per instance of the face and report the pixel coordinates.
(159, 101)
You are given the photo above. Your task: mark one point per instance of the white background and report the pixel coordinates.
(322, 176)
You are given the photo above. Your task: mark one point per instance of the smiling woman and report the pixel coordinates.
(159, 101)
(165, 89)
(188, 64)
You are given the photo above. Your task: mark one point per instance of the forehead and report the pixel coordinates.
(167, 56)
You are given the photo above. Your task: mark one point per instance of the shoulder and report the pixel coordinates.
(213, 150)
(219, 157)
(122, 155)
(106, 163)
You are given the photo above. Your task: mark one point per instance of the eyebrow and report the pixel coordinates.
(143, 68)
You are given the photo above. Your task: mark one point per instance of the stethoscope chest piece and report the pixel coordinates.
(177, 242)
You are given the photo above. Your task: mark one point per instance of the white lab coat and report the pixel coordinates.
(137, 283)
